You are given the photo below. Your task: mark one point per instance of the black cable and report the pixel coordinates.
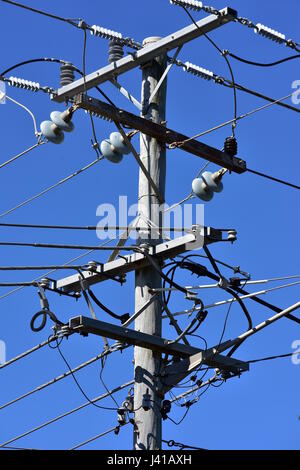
(103, 362)
(78, 385)
(31, 61)
(260, 64)
(177, 423)
(270, 358)
(256, 299)
(272, 178)
(95, 143)
(44, 313)
(122, 318)
(203, 271)
(40, 12)
(163, 276)
(223, 54)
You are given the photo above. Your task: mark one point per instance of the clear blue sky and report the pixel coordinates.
(259, 410)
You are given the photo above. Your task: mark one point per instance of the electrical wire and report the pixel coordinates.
(174, 145)
(263, 64)
(40, 12)
(270, 358)
(72, 260)
(79, 386)
(61, 377)
(16, 157)
(68, 413)
(227, 62)
(94, 438)
(37, 134)
(50, 188)
(27, 353)
(272, 178)
(95, 143)
(70, 247)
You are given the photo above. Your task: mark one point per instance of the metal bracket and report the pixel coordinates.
(176, 372)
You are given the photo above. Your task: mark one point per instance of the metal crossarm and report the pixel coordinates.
(129, 263)
(86, 325)
(161, 133)
(146, 54)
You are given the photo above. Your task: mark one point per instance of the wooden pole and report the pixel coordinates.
(147, 363)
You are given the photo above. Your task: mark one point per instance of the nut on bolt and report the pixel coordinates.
(232, 235)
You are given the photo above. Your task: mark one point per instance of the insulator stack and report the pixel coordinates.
(198, 71)
(105, 33)
(60, 122)
(208, 184)
(270, 33)
(24, 84)
(66, 74)
(115, 51)
(191, 4)
(114, 148)
(231, 146)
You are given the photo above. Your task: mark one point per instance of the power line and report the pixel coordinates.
(263, 64)
(94, 438)
(91, 227)
(40, 12)
(72, 260)
(227, 62)
(16, 157)
(58, 378)
(69, 247)
(27, 353)
(32, 61)
(80, 24)
(49, 188)
(271, 358)
(199, 72)
(68, 413)
(272, 178)
(226, 123)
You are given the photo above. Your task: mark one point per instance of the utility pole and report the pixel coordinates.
(147, 363)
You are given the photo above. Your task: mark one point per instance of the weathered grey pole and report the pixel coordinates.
(148, 424)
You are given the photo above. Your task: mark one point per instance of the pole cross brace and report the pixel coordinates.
(160, 132)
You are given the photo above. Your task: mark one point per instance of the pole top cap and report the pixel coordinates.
(151, 40)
